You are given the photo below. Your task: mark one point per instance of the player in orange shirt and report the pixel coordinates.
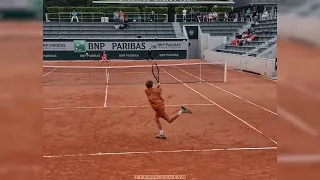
(104, 58)
(157, 103)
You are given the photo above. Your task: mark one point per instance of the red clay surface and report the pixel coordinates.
(20, 100)
(81, 125)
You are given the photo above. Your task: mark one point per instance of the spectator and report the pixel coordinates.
(198, 16)
(250, 38)
(215, 16)
(248, 14)
(126, 23)
(121, 15)
(265, 15)
(226, 16)
(116, 16)
(242, 14)
(138, 36)
(272, 14)
(254, 13)
(210, 17)
(191, 15)
(235, 42)
(74, 16)
(235, 17)
(184, 15)
(152, 16)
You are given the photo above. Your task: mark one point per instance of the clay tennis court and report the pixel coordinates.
(98, 125)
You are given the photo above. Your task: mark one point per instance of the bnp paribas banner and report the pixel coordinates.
(84, 46)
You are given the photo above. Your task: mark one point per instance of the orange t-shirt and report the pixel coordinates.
(121, 15)
(155, 97)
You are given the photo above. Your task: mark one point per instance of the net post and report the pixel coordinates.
(225, 73)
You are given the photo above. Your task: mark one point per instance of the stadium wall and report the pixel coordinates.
(91, 49)
(270, 53)
(211, 42)
(261, 66)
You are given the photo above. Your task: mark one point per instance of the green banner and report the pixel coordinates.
(96, 55)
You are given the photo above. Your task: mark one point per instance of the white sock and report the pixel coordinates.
(180, 112)
(161, 132)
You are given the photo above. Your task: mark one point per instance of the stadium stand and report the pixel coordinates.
(107, 30)
(266, 36)
(219, 28)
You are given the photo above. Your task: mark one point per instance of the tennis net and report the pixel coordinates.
(121, 75)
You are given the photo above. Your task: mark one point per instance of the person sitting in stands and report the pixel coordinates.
(236, 40)
(121, 15)
(210, 17)
(126, 23)
(215, 16)
(265, 15)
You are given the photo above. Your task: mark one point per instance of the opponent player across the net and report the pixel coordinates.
(104, 58)
(156, 101)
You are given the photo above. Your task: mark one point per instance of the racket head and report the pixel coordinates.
(155, 72)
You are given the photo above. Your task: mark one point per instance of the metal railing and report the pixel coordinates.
(98, 16)
(194, 18)
(220, 17)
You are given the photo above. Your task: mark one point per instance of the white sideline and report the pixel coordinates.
(220, 107)
(50, 71)
(106, 94)
(141, 106)
(229, 92)
(296, 121)
(154, 152)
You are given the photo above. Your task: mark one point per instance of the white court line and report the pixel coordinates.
(84, 107)
(300, 88)
(220, 107)
(229, 92)
(296, 121)
(140, 106)
(50, 72)
(154, 152)
(298, 158)
(106, 94)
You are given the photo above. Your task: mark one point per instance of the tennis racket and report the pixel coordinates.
(155, 72)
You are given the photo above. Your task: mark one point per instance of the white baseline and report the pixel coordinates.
(168, 151)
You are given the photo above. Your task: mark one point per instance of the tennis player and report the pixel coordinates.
(149, 54)
(104, 58)
(157, 103)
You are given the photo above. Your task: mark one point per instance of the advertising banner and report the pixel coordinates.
(96, 55)
(87, 46)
